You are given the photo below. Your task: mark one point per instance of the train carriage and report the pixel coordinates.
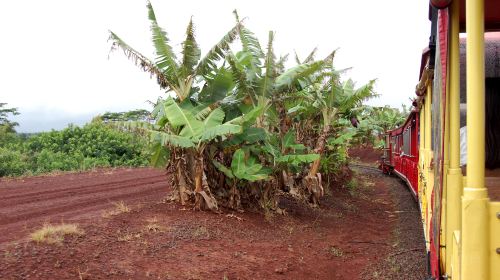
(448, 150)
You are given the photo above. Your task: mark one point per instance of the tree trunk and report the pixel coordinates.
(235, 197)
(182, 186)
(203, 196)
(320, 149)
(312, 181)
(180, 182)
(198, 177)
(190, 167)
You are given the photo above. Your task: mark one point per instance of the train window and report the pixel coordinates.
(492, 122)
(407, 142)
(492, 96)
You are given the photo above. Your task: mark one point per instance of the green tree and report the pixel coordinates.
(6, 125)
(133, 115)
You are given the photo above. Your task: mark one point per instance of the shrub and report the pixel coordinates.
(73, 148)
(12, 163)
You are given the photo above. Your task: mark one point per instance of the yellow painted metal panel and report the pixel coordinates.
(475, 234)
(454, 176)
(475, 93)
(494, 240)
(475, 203)
(454, 272)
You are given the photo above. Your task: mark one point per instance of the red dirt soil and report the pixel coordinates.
(365, 154)
(161, 240)
(74, 197)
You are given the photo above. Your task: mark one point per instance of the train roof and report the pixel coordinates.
(492, 39)
(491, 15)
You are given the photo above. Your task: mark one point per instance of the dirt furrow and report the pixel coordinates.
(70, 203)
(50, 185)
(38, 197)
(73, 197)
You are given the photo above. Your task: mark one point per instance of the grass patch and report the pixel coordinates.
(120, 207)
(336, 252)
(352, 186)
(128, 236)
(54, 234)
(201, 232)
(153, 225)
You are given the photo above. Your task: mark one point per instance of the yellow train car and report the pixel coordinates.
(458, 110)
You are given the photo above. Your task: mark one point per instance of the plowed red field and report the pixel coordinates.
(29, 202)
(371, 231)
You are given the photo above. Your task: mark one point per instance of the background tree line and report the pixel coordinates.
(73, 148)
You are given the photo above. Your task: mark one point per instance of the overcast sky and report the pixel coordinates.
(55, 67)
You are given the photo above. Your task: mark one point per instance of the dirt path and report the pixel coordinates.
(76, 197)
(406, 258)
(355, 234)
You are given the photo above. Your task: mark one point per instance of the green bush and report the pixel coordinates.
(47, 161)
(73, 148)
(12, 163)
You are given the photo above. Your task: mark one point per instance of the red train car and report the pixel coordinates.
(401, 152)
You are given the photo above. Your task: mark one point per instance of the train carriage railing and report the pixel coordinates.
(461, 223)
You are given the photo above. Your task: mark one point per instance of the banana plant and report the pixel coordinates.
(288, 159)
(191, 129)
(244, 167)
(260, 79)
(245, 107)
(325, 100)
(173, 74)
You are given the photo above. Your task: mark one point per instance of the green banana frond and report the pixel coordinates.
(297, 73)
(208, 64)
(160, 155)
(216, 117)
(310, 57)
(225, 129)
(250, 135)
(247, 168)
(222, 168)
(289, 139)
(242, 86)
(190, 52)
(140, 60)
(341, 139)
(355, 97)
(249, 42)
(329, 58)
(294, 159)
(166, 59)
(366, 91)
(203, 113)
(178, 117)
(267, 83)
(280, 64)
(249, 117)
(167, 139)
(297, 59)
(218, 87)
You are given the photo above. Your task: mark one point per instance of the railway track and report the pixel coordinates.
(362, 166)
